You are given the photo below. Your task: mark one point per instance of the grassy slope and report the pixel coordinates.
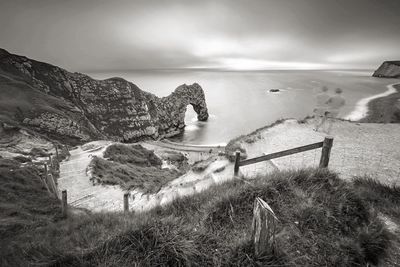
(132, 166)
(18, 98)
(324, 221)
(25, 205)
(385, 109)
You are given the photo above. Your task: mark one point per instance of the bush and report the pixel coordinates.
(38, 152)
(133, 154)
(132, 167)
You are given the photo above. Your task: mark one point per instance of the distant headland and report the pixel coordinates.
(388, 69)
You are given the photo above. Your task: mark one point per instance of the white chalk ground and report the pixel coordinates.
(358, 149)
(361, 108)
(82, 193)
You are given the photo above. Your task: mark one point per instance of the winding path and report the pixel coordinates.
(358, 149)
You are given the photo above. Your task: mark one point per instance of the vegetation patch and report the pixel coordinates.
(25, 205)
(324, 221)
(201, 165)
(132, 167)
(383, 200)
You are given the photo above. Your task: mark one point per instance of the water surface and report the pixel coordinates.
(240, 102)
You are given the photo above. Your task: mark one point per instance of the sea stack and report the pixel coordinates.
(388, 69)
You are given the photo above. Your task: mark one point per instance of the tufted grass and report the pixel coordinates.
(324, 221)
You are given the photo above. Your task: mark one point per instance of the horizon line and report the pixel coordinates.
(223, 69)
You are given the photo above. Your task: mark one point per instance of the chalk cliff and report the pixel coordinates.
(76, 108)
(388, 69)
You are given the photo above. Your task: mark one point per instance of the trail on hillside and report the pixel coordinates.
(82, 193)
(358, 149)
(75, 178)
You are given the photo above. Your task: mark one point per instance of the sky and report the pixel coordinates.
(105, 35)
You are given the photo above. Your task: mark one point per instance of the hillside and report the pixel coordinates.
(76, 108)
(388, 69)
(323, 221)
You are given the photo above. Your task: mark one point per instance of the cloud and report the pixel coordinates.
(234, 34)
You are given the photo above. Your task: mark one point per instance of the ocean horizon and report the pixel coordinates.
(239, 102)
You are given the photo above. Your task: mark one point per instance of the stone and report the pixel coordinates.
(84, 109)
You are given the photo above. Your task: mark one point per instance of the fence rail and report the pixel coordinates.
(326, 146)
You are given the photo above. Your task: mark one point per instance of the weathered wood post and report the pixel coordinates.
(326, 152)
(264, 227)
(57, 155)
(237, 160)
(64, 205)
(46, 172)
(44, 179)
(126, 202)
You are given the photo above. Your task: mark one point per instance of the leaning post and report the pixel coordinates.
(64, 205)
(263, 228)
(57, 155)
(326, 152)
(126, 202)
(237, 160)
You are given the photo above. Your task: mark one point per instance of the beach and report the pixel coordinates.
(368, 108)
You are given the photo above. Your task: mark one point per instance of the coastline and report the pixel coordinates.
(365, 111)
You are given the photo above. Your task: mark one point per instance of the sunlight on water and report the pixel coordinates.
(240, 102)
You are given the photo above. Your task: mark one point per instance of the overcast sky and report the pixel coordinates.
(89, 35)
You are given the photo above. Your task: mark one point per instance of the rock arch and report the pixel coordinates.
(172, 109)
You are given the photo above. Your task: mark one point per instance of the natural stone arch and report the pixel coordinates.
(172, 109)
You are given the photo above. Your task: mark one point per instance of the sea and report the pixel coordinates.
(241, 102)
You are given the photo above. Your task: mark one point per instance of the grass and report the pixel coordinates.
(132, 167)
(383, 200)
(324, 221)
(25, 205)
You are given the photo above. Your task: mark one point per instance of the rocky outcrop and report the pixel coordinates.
(74, 106)
(388, 69)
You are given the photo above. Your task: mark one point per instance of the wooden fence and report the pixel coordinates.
(323, 163)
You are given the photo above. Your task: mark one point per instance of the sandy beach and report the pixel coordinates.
(362, 106)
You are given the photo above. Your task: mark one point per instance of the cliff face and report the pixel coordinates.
(75, 107)
(388, 69)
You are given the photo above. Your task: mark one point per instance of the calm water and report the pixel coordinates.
(239, 102)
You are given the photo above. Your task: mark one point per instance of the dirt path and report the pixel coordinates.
(75, 178)
(358, 149)
(82, 193)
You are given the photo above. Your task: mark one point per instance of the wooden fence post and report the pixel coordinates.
(264, 227)
(44, 179)
(237, 160)
(326, 152)
(57, 156)
(64, 204)
(126, 202)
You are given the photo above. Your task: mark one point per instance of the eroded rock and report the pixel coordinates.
(76, 107)
(388, 69)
